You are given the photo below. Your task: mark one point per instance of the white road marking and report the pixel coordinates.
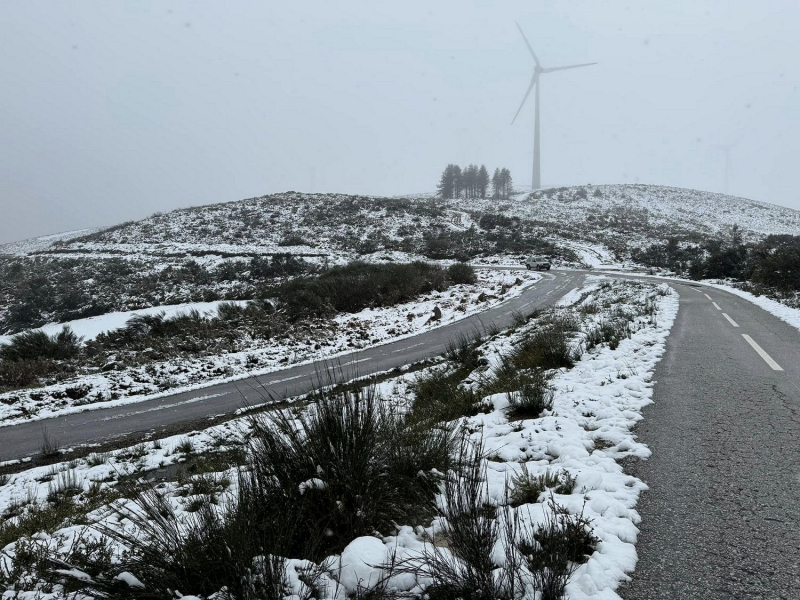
(767, 358)
(716, 306)
(353, 362)
(707, 296)
(282, 380)
(161, 407)
(403, 349)
(731, 321)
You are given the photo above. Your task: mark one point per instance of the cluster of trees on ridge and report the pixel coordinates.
(473, 182)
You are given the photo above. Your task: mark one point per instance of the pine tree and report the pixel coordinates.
(497, 184)
(506, 183)
(448, 184)
(482, 182)
(469, 178)
(458, 181)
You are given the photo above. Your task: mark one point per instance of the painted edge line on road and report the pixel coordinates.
(731, 321)
(762, 353)
(716, 306)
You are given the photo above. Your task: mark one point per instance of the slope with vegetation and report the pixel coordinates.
(504, 484)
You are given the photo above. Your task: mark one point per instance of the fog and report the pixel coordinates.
(112, 111)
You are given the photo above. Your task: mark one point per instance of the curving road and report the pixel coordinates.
(154, 416)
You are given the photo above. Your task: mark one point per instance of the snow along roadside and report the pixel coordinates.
(596, 405)
(787, 314)
(380, 326)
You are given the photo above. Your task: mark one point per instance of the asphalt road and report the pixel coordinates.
(153, 416)
(722, 516)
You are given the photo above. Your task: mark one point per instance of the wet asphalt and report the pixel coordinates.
(722, 516)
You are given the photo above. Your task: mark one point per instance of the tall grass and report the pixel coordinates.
(350, 466)
(315, 480)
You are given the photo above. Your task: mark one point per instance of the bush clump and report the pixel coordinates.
(553, 552)
(534, 396)
(527, 488)
(546, 348)
(36, 344)
(461, 273)
(357, 286)
(349, 466)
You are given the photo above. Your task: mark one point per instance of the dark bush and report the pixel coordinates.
(526, 488)
(534, 396)
(461, 273)
(546, 348)
(467, 567)
(36, 344)
(349, 467)
(555, 550)
(439, 397)
(15, 374)
(356, 286)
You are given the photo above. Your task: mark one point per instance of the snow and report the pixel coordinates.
(37, 244)
(130, 579)
(589, 430)
(347, 333)
(90, 327)
(360, 564)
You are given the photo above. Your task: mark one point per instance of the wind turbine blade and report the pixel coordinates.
(551, 69)
(527, 43)
(534, 79)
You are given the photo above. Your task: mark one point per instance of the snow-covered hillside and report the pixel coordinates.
(23, 247)
(607, 209)
(342, 227)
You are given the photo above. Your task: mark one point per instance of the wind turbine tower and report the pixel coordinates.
(537, 71)
(727, 150)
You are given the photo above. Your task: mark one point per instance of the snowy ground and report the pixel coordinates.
(346, 333)
(91, 327)
(589, 430)
(24, 247)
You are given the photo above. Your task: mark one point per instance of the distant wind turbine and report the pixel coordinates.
(538, 70)
(727, 150)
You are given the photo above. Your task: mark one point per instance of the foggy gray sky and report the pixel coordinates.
(114, 110)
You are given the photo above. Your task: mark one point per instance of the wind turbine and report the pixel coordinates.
(537, 71)
(727, 150)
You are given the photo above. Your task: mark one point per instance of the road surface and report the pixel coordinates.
(722, 516)
(152, 416)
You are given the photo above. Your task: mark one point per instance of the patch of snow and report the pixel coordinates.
(90, 327)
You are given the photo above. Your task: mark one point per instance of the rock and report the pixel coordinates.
(482, 362)
(109, 366)
(482, 297)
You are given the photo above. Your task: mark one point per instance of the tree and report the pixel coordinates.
(497, 184)
(482, 182)
(505, 184)
(449, 182)
(469, 178)
(459, 181)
